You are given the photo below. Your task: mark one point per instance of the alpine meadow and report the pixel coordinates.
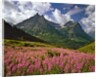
(48, 38)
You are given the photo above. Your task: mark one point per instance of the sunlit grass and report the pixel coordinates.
(88, 48)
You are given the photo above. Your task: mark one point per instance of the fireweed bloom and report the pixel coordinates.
(32, 61)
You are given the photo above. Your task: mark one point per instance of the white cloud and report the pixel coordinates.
(42, 8)
(75, 10)
(15, 13)
(23, 10)
(50, 18)
(58, 17)
(90, 9)
(89, 21)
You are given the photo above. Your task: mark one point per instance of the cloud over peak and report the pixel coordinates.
(58, 17)
(89, 21)
(61, 18)
(21, 10)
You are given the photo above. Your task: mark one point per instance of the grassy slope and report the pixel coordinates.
(88, 48)
(25, 43)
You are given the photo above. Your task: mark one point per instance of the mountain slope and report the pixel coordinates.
(76, 37)
(71, 36)
(17, 34)
(74, 30)
(39, 27)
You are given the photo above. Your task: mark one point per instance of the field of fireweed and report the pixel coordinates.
(42, 60)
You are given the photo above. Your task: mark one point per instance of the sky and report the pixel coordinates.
(61, 13)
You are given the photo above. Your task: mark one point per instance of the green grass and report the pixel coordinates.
(25, 43)
(88, 48)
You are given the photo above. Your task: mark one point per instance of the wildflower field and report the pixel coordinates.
(26, 60)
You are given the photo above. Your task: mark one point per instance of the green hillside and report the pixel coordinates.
(88, 48)
(25, 43)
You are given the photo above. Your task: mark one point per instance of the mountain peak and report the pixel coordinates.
(73, 26)
(37, 15)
